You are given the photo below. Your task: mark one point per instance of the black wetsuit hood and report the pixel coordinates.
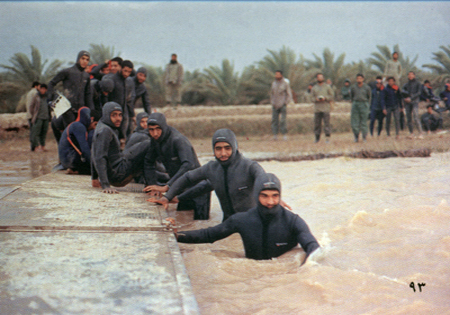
(228, 136)
(81, 54)
(84, 116)
(160, 120)
(266, 181)
(139, 117)
(107, 109)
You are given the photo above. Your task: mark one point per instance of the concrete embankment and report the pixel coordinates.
(67, 248)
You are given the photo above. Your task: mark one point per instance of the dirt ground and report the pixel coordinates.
(18, 163)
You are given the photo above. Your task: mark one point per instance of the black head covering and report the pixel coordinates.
(106, 85)
(107, 109)
(142, 70)
(158, 119)
(138, 121)
(81, 54)
(228, 136)
(266, 181)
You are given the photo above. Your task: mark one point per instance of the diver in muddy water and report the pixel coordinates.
(176, 153)
(76, 87)
(110, 166)
(231, 175)
(267, 230)
(74, 148)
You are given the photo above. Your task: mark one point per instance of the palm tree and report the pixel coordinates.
(379, 60)
(259, 79)
(442, 71)
(25, 71)
(17, 80)
(101, 53)
(331, 69)
(223, 83)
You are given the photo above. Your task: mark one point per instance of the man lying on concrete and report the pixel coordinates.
(267, 230)
(75, 145)
(231, 175)
(178, 156)
(111, 166)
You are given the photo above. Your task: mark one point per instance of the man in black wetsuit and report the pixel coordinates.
(231, 175)
(111, 166)
(267, 230)
(176, 153)
(76, 87)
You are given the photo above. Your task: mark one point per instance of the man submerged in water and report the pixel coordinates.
(267, 230)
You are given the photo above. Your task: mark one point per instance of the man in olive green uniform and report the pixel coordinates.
(173, 77)
(393, 68)
(322, 95)
(360, 94)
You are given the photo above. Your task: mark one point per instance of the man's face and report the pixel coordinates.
(278, 76)
(155, 131)
(379, 84)
(411, 75)
(105, 70)
(126, 71)
(115, 67)
(359, 79)
(84, 61)
(430, 110)
(141, 77)
(269, 198)
(448, 87)
(395, 56)
(42, 90)
(347, 83)
(320, 78)
(223, 151)
(143, 122)
(391, 82)
(116, 118)
(174, 58)
(329, 82)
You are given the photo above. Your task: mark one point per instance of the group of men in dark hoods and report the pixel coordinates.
(250, 199)
(159, 156)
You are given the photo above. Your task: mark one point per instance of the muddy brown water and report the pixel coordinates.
(383, 226)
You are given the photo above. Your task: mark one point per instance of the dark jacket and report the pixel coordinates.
(393, 97)
(172, 149)
(445, 94)
(140, 134)
(427, 94)
(35, 107)
(95, 72)
(378, 99)
(141, 92)
(413, 89)
(76, 85)
(78, 134)
(123, 93)
(265, 232)
(233, 180)
(105, 146)
(97, 88)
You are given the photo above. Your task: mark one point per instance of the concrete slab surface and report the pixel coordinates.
(67, 248)
(60, 201)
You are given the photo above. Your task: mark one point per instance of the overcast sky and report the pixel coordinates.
(205, 33)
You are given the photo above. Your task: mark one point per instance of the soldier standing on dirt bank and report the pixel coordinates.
(280, 96)
(322, 96)
(173, 77)
(360, 96)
